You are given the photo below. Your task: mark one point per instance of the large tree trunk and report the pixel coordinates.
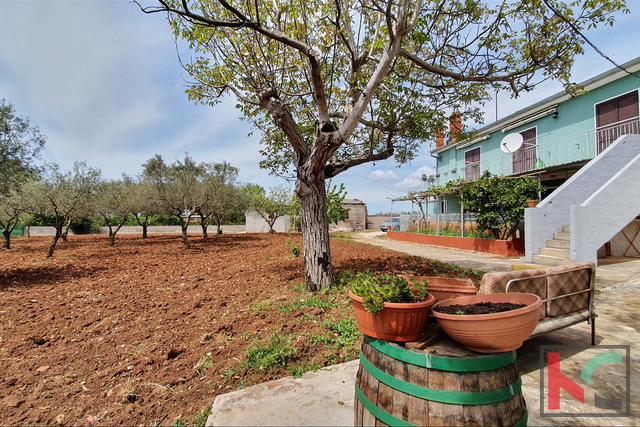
(315, 234)
(144, 230)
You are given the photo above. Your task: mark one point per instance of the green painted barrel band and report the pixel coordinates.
(444, 396)
(426, 360)
(383, 416)
(389, 419)
(522, 422)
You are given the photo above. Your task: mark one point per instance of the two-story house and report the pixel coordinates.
(562, 141)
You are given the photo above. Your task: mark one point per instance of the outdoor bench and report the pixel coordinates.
(567, 293)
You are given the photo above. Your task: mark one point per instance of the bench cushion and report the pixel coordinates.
(546, 287)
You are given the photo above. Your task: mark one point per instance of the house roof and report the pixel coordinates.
(548, 103)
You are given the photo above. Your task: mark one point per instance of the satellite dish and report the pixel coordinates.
(511, 143)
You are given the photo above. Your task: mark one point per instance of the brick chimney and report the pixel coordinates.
(455, 126)
(439, 138)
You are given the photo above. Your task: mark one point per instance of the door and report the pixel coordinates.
(526, 155)
(615, 117)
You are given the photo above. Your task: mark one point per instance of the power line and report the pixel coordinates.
(589, 42)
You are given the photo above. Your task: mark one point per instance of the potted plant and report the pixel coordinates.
(387, 308)
(495, 332)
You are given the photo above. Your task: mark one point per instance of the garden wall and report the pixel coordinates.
(513, 247)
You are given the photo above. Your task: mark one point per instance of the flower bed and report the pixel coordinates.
(514, 247)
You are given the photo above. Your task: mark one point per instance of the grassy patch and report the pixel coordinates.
(278, 351)
(311, 302)
(259, 306)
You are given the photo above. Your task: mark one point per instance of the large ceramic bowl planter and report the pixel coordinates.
(444, 288)
(495, 332)
(396, 322)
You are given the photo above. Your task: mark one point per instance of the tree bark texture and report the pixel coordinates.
(315, 234)
(184, 225)
(7, 238)
(54, 241)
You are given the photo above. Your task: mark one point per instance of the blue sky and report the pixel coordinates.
(103, 82)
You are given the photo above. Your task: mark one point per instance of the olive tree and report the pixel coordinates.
(113, 202)
(280, 201)
(59, 197)
(143, 202)
(178, 187)
(333, 84)
(225, 195)
(20, 145)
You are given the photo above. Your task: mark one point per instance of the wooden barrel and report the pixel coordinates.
(443, 385)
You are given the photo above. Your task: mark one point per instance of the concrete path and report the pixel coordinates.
(325, 397)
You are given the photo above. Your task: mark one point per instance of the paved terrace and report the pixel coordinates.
(326, 397)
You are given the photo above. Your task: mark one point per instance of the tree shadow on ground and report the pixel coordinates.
(40, 276)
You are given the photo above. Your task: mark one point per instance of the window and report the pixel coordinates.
(524, 158)
(443, 206)
(615, 117)
(472, 164)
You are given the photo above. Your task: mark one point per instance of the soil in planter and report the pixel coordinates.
(479, 308)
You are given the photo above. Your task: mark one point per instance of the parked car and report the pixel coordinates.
(391, 224)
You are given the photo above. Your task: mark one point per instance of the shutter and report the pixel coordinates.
(606, 114)
(628, 107)
(472, 164)
(611, 117)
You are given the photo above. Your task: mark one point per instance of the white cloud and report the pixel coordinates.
(103, 82)
(384, 176)
(414, 180)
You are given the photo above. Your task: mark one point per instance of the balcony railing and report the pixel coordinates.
(570, 149)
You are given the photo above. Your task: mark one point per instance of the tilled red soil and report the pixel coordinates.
(148, 333)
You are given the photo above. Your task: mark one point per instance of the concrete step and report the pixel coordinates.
(566, 228)
(555, 252)
(559, 244)
(549, 260)
(561, 236)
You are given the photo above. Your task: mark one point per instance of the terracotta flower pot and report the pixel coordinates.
(532, 203)
(444, 288)
(396, 322)
(495, 332)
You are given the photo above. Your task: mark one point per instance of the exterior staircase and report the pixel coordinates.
(557, 250)
(598, 201)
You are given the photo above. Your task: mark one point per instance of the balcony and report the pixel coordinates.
(545, 154)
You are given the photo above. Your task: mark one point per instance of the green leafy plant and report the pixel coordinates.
(375, 290)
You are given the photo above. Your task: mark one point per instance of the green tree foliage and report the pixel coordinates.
(20, 145)
(114, 203)
(226, 196)
(280, 201)
(335, 84)
(59, 197)
(179, 187)
(499, 202)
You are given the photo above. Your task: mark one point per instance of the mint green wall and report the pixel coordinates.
(575, 118)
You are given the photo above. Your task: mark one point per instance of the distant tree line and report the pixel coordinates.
(164, 193)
